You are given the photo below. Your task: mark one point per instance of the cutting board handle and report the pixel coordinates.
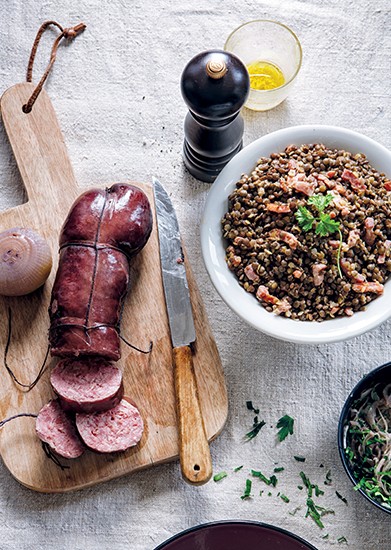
(38, 146)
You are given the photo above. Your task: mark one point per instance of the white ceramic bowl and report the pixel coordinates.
(213, 246)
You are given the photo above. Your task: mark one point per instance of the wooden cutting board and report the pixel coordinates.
(47, 174)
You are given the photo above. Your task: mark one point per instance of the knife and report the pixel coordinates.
(194, 452)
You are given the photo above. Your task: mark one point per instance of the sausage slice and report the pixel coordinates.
(109, 431)
(56, 428)
(87, 385)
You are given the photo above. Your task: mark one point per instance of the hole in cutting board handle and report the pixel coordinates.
(13, 192)
(196, 467)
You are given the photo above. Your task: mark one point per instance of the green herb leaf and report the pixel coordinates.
(277, 470)
(250, 406)
(307, 483)
(299, 458)
(284, 498)
(313, 513)
(238, 468)
(328, 480)
(247, 490)
(326, 226)
(341, 497)
(273, 480)
(325, 536)
(321, 202)
(257, 426)
(324, 511)
(285, 425)
(342, 540)
(304, 218)
(220, 476)
(269, 481)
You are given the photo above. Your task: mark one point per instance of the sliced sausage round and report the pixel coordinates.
(56, 428)
(87, 385)
(114, 430)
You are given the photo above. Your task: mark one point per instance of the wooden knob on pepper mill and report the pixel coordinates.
(214, 84)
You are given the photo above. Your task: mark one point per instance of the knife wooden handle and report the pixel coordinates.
(194, 452)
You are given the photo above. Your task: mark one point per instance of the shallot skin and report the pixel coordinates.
(25, 261)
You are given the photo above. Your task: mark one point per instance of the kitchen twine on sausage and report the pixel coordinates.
(56, 326)
(69, 34)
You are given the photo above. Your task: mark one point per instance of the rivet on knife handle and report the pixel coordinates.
(196, 462)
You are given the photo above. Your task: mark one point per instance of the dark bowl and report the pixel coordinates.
(380, 375)
(232, 535)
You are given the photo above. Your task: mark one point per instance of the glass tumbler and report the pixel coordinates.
(271, 42)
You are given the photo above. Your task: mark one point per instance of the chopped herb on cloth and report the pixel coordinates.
(285, 425)
(299, 458)
(247, 490)
(341, 497)
(220, 476)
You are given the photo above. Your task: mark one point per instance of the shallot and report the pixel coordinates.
(25, 261)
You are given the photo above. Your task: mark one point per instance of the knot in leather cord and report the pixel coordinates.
(69, 34)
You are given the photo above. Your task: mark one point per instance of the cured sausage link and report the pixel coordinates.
(103, 230)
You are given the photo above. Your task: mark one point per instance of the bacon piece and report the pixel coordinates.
(334, 244)
(339, 202)
(251, 273)
(353, 238)
(356, 183)
(373, 287)
(278, 208)
(283, 184)
(264, 295)
(342, 190)
(318, 273)
(370, 236)
(387, 185)
(331, 173)
(282, 307)
(334, 310)
(234, 261)
(382, 257)
(348, 311)
(292, 164)
(297, 273)
(301, 184)
(348, 269)
(288, 238)
(328, 183)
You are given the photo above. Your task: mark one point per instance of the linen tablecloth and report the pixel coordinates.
(116, 93)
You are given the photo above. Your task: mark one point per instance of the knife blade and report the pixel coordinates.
(194, 452)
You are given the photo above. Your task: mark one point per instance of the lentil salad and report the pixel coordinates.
(301, 273)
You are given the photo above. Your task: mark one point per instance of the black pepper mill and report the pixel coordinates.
(215, 84)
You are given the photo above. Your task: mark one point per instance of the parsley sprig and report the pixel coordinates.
(324, 225)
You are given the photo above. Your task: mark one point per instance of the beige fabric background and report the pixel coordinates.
(116, 93)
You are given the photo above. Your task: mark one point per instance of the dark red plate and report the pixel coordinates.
(235, 535)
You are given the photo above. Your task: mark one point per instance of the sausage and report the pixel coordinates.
(56, 428)
(87, 385)
(103, 230)
(111, 431)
